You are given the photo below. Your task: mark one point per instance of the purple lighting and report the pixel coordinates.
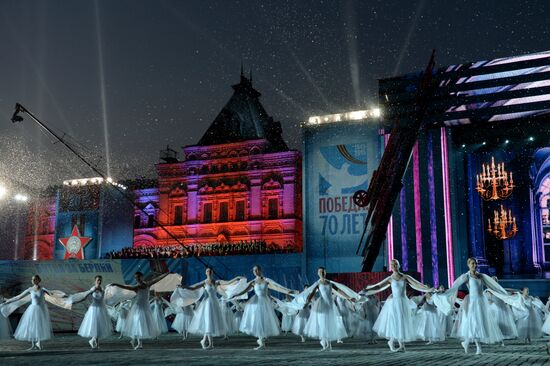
(417, 213)
(447, 206)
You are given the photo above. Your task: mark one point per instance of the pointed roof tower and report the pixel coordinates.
(244, 118)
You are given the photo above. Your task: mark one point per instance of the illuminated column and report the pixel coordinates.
(447, 206)
(288, 196)
(192, 203)
(164, 207)
(255, 198)
(417, 212)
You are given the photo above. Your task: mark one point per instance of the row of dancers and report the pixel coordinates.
(327, 311)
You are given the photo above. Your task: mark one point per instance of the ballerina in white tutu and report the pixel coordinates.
(504, 316)
(238, 309)
(182, 321)
(347, 312)
(158, 312)
(5, 326)
(259, 318)
(287, 319)
(366, 314)
(431, 324)
(96, 323)
(395, 321)
(228, 317)
(325, 321)
(208, 319)
(529, 318)
(35, 324)
(122, 310)
(476, 321)
(300, 320)
(140, 323)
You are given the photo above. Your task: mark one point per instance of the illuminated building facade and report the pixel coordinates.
(240, 183)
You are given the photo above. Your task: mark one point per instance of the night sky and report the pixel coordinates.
(151, 73)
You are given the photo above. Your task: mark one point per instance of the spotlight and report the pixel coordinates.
(463, 145)
(531, 138)
(484, 143)
(21, 197)
(507, 141)
(3, 191)
(376, 112)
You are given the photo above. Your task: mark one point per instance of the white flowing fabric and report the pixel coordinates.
(431, 324)
(529, 319)
(158, 315)
(115, 295)
(35, 324)
(503, 315)
(395, 320)
(54, 297)
(167, 284)
(208, 318)
(477, 322)
(140, 323)
(300, 321)
(325, 321)
(228, 317)
(97, 322)
(183, 319)
(122, 314)
(259, 318)
(347, 315)
(182, 297)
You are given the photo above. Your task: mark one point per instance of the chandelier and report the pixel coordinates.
(494, 182)
(503, 224)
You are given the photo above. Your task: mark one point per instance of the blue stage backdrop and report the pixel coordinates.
(339, 159)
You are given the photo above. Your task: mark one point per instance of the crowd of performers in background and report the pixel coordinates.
(243, 247)
(326, 311)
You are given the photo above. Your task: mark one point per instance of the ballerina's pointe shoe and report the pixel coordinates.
(392, 348)
(91, 343)
(465, 346)
(261, 344)
(203, 344)
(478, 351)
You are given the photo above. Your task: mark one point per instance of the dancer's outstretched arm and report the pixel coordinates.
(378, 285)
(417, 285)
(15, 298)
(157, 279)
(276, 287)
(313, 292)
(230, 282)
(247, 289)
(126, 287)
(195, 287)
(341, 294)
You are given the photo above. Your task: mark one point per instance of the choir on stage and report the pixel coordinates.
(326, 311)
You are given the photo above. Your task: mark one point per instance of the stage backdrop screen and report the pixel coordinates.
(339, 159)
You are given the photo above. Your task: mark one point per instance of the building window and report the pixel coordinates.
(207, 212)
(239, 212)
(224, 212)
(178, 215)
(273, 209)
(137, 221)
(150, 220)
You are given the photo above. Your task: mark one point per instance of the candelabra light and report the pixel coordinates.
(503, 224)
(494, 182)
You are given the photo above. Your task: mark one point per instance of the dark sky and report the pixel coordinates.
(151, 73)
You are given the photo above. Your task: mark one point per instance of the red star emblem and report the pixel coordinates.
(74, 244)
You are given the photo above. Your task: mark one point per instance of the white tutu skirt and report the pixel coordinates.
(208, 319)
(431, 325)
(286, 323)
(121, 323)
(259, 318)
(5, 328)
(237, 319)
(477, 322)
(505, 320)
(300, 321)
(363, 327)
(35, 324)
(96, 323)
(159, 318)
(395, 320)
(229, 318)
(325, 321)
(140, 323)
(546, 325)
(530, 326)
(182, 321)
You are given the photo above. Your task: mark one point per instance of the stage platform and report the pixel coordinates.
(70, 349)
